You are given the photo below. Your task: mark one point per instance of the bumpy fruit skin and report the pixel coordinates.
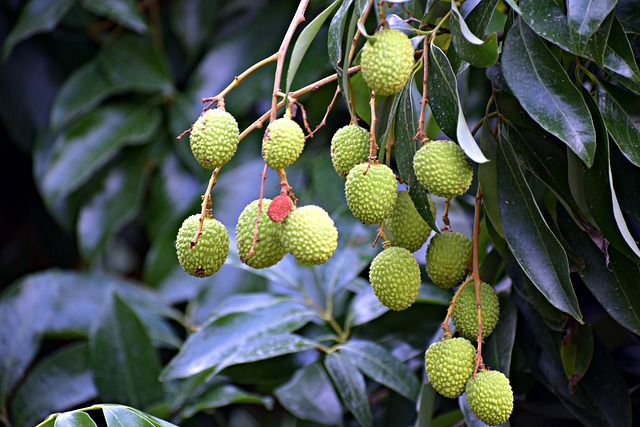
(449, 364)
(446, 260)
(269, 249)
(387, 61)
(282, 143)
(465, 314)
(371, 192)
(214, 138)
(490, 397)
(208, 255)
(395, 278)
(407, 227)
(443, 168)
(309, 234)
(349, 147)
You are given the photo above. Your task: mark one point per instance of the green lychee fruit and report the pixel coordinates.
(490, 397)
(465, 313)
(395, 278)
(282, 143)
(371, 192)
(214, 138)
(349, 147)
(208, 255)
(268, 248)
(387, 61)
(407, 227)
(449, 364)
(443, 168)
(309, 234)
(446, 260)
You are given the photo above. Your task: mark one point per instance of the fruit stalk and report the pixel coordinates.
(206, 205)
(475, 273)
(452, 304)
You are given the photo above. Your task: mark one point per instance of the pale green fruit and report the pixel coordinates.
(349, 147)
(446, 259)
(282, 143)
(387, 61)
(443, 168)
(268, 248)
(449, 364)
(407, 227)
(395, 278)
(490, 397)
(465, 312)
(309, 234)
(371, 192)
(214, 138)
(208, 255)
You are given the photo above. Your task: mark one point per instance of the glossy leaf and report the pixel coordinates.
(310, 395)
(59, 381)
(488, 178)
(223, 336)
(350, 385)
(585, 17)
(223, 395)
(498, 347)
(533, 244)
(377, 363)
(620, 59)
(477, 52)
(93, 140)
(124, 12)
(445, 104)
(341, 30)
(477, 22)
(74, 419)
(37, 16)
(544, 90)
(628, 12)
(122, 416)
(621, 113)
(576, 352)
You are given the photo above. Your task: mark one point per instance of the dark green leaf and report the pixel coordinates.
(37, 16)
(223, 336)
(122, 416)
(488, 177)
(620, 59)
(533, 244)
(124, 362)
(58, 382)
(335, 36)
(350, 385)
(621, 113)
(498, 347)
(576, 352)
(628, 12)
(544, 90)
(74, 419)
(311, 396)
(93, 140)
(585, 17)
(365, 307)
(223, 395)
(445, 103)
(377, 363)
(124, 12)
(426, 405)
(477, 52)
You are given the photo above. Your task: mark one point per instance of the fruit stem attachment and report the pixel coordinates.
(420, 135)
(373, 145)
(206, 206)
(452, 304)
(445, 213)
(475, 274)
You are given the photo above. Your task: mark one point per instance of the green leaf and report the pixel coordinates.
(445, 103)
(223, 336)
(124, 362)
(477, 52)
(365, 307)
(532, 242)
(124, 12)
(341, 30)
(122, 416)
(377, 363)
(488, 177)
(628, 12)
(93, 140)
(544, 90)
(222, 395)
(37, 16)
(74, 419)
(350, 385)
(59, 381)
(585, 17)
(620, 59)
(311, 396)
(426, 405)
(576, 352)
(304, 40)
(498, 347)
(621, 113)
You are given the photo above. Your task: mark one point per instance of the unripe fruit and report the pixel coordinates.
(282, 143)
(349, 147)
(395, 278)
(490, 397)
(465, 312)
(208, 255)
(268, 248)
(443, 168)
(407, 227)
(446, 260)
(371, 192)
(449, 364)
(309, 234)
(387, 61)
(214, 138)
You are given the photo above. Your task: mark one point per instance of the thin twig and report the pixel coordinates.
(475, 274)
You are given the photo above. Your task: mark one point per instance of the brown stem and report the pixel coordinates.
(326, 115)
(445, 214)
(420, 135)
(452, 304)
(475, 274)
(373, 145)
(205, 206)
